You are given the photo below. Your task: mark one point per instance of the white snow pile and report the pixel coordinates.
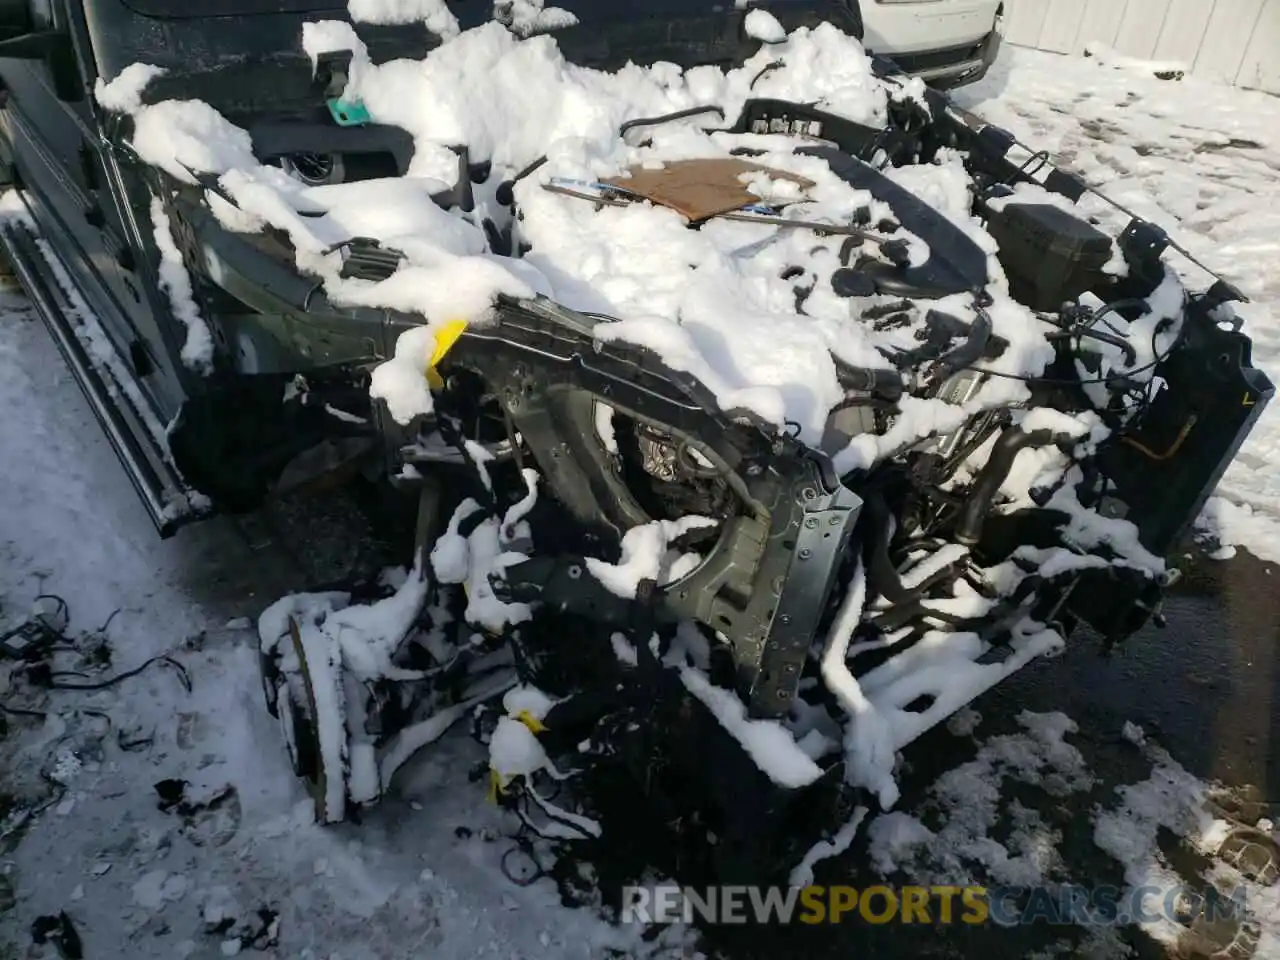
(972, 801)
(486, 551)
(1225, 524)
(769, 743)
(710, 302)
(647, 555)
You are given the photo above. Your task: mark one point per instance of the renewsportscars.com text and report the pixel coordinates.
(1067, 904)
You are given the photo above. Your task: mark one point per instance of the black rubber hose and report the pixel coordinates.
(981, 498)
(1130, 353)
(972, 350)
(891, 282)
(505, 194)
(884, 383)
(882, 575)
(668, 117)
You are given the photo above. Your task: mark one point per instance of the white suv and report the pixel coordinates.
(945, 42)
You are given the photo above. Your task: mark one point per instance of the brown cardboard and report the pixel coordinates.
(700, 188)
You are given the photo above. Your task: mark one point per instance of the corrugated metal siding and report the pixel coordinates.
(1233, 40)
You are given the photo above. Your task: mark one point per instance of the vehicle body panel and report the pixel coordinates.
(913, 26)
(949, 41)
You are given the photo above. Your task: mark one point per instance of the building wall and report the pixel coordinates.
(1237, 41)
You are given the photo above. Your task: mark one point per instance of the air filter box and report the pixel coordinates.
(1050, 255)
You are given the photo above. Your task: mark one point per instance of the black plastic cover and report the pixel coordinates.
(1050, 255)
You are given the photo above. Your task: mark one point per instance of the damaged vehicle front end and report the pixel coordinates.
(898, 407)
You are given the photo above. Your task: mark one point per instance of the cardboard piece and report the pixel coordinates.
(700, 188)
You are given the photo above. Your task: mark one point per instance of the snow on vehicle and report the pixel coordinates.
(762, 408)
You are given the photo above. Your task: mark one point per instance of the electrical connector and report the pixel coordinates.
(28, 642)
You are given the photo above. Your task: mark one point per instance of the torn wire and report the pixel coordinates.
(183, 676)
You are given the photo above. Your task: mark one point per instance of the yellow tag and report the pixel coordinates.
(1249, 400)
(495, 785)
(446, 336)
(535, 725)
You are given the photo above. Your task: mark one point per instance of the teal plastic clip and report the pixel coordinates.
(347, 114)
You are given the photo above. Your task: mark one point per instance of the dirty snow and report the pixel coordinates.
(970, 800)
(973, 828)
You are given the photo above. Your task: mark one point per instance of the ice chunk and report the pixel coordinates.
(148, 891)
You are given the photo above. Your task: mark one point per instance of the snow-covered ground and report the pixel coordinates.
(420, 876)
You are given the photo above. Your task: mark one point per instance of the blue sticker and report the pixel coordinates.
(348, 114)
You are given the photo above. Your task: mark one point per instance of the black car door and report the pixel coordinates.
(98, 226)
